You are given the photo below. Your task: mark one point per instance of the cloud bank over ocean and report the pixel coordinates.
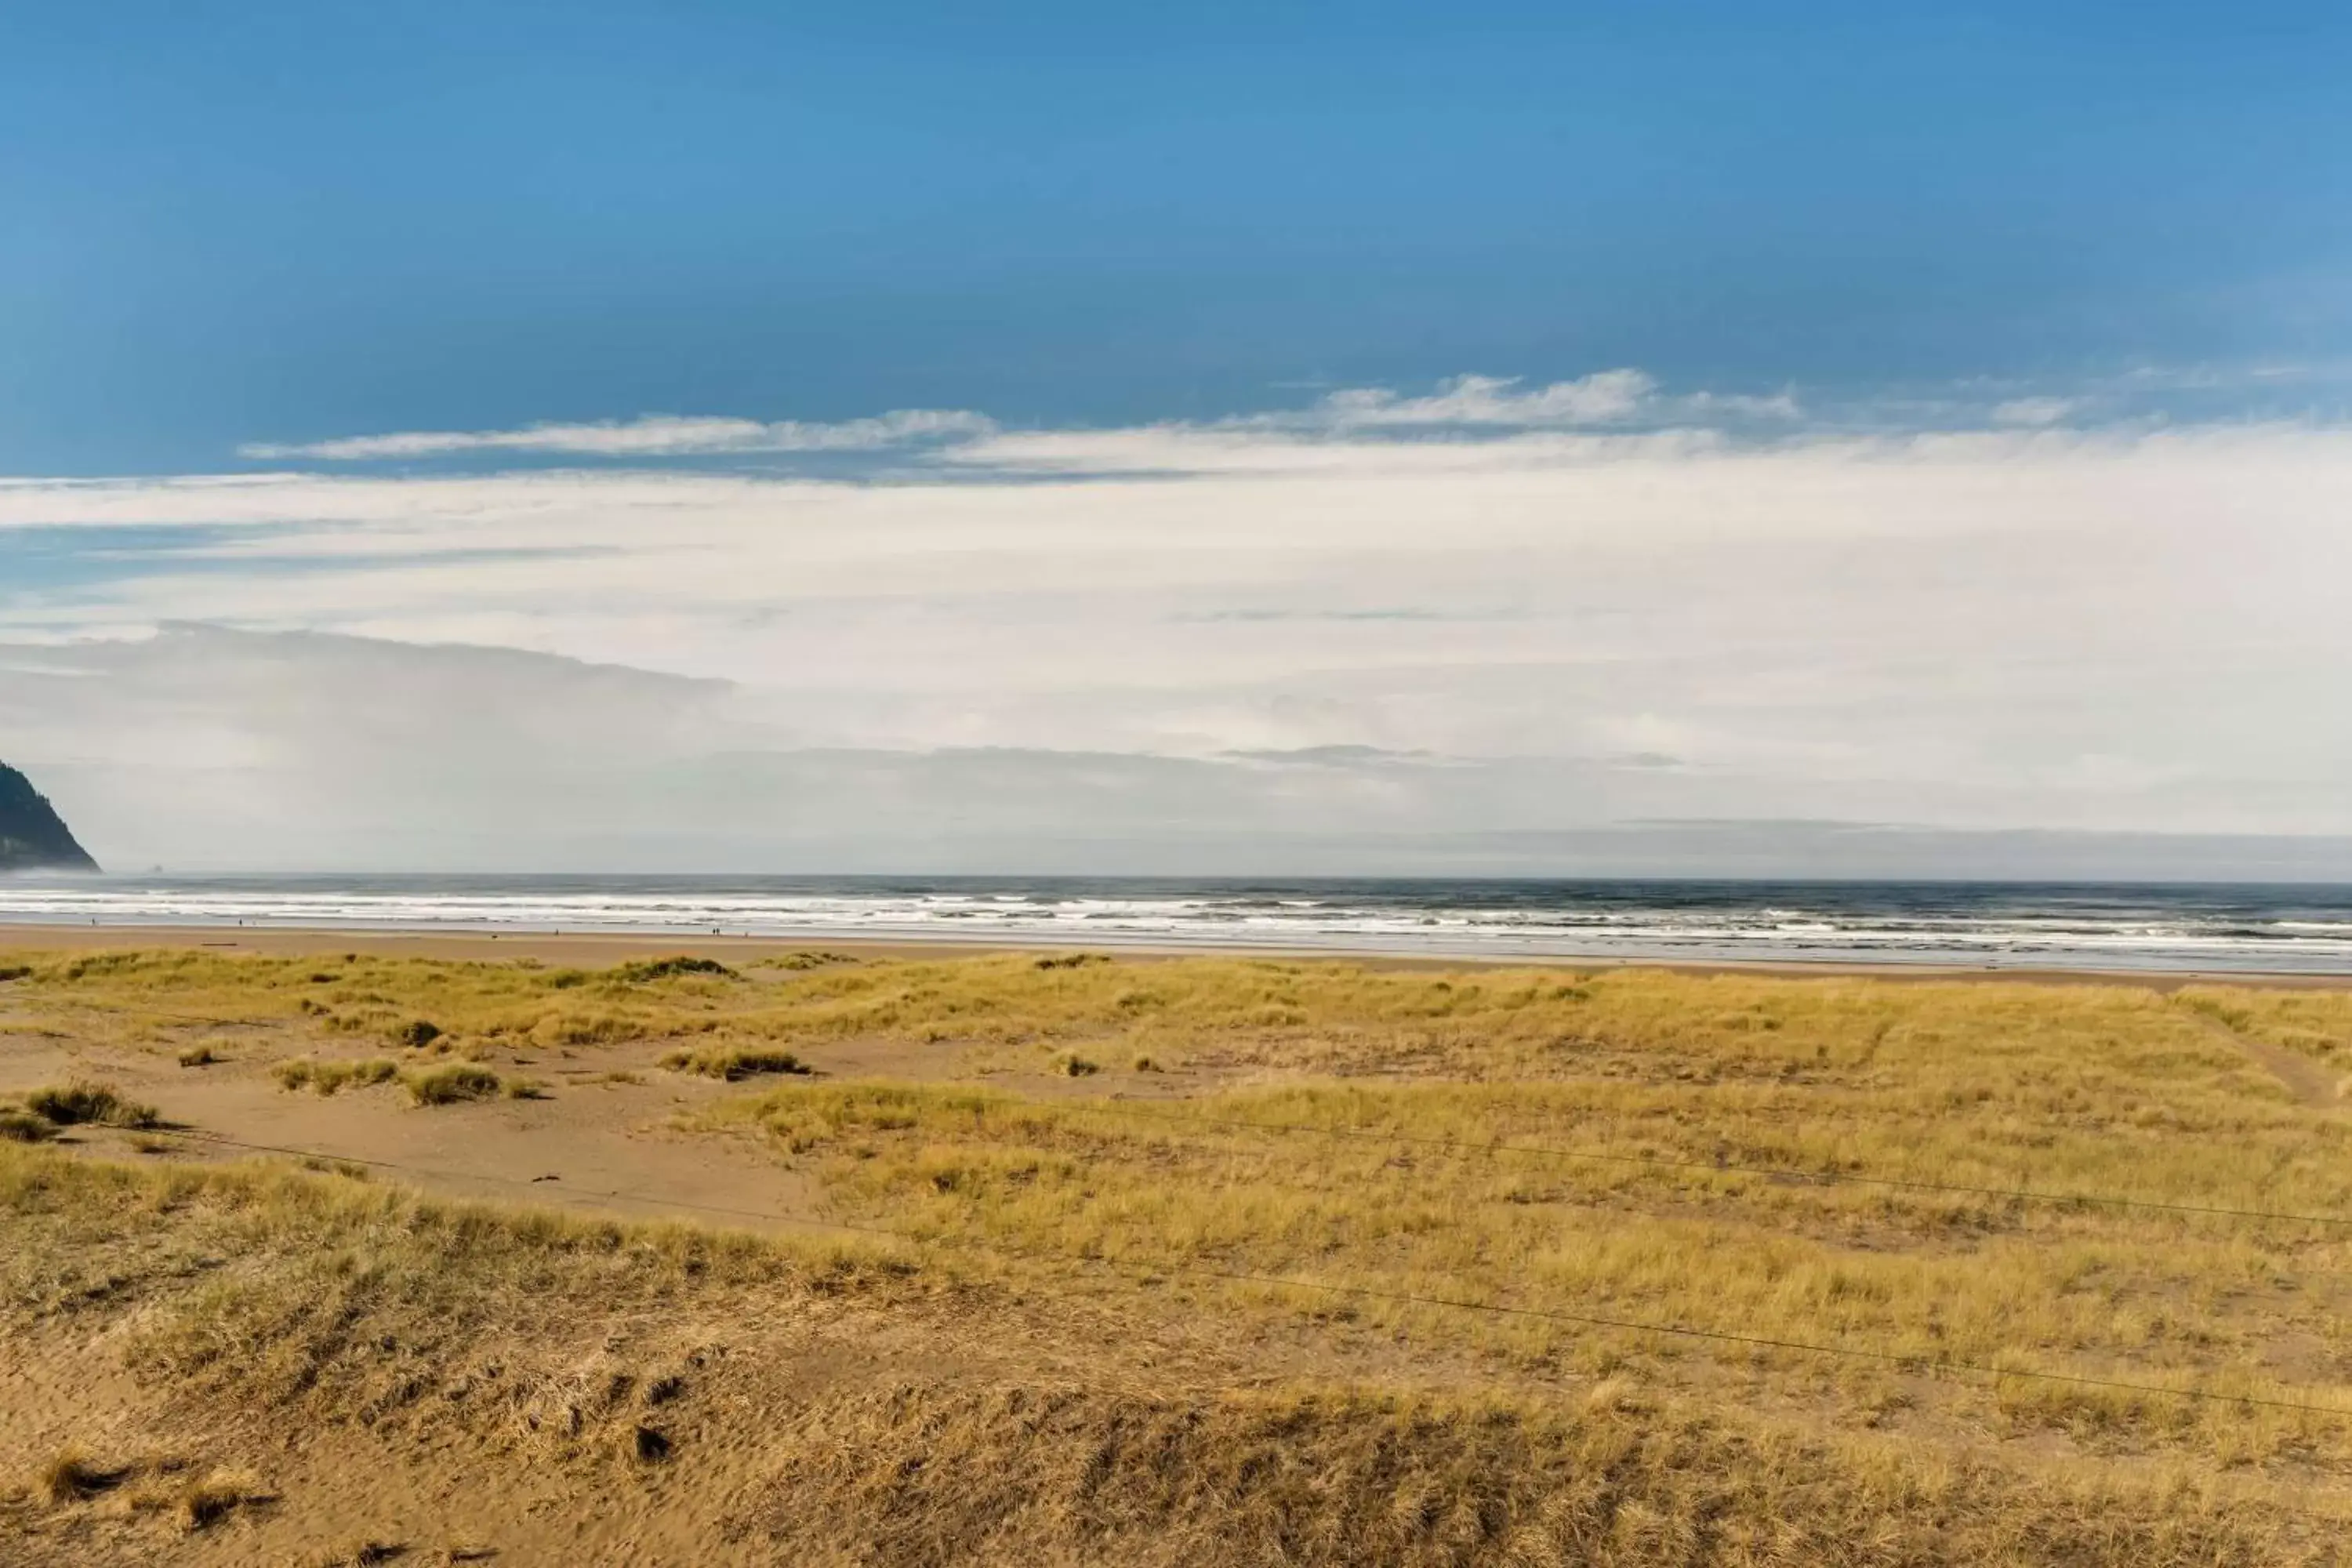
(1378, 623)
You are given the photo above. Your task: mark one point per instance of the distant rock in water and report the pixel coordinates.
(33, 836)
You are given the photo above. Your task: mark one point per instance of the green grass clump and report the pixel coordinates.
(732, 1062)
(449, 1084)
(82, 1101)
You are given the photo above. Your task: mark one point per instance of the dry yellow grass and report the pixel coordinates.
(452, 1082)
(2317, 1023)
(444, 1322)
(732, 1062)
(215, 1496)
(71, 1104)
(18, 1125)
(1019, 1189)
(72, 1475)
(330, 1077)
(1083, 1267)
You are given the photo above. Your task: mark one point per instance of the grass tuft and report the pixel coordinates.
(651, 969)
(18, 1125)
(732, 1062)
(73, 1476)
(331, 1077)
(449, 1084)
(83, 1102)
(217, 1495)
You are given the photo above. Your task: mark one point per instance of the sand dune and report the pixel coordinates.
(1026, 1257)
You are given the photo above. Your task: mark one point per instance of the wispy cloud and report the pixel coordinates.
(2036, 411)
(1587, 417)
(651, 435)
(1605, 398)
(1609, 399)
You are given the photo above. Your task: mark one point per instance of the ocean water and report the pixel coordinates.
(2302, 928)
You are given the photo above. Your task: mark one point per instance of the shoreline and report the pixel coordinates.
(588, 949)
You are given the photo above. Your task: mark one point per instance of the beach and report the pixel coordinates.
(2278, 929)
(604, 1247)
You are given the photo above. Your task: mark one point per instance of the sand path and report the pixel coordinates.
(2309, 1081)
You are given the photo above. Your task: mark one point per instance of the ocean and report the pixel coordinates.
(2297, 929)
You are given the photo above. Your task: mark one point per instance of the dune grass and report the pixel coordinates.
(1278, 1017)
(71, 1474)
(451, 1083)
(1021, 1189)
(498, 1330)
(18, 1125)
(213, 1496)
(1910, 1170)
(71, 1104)
(330, 1077)
(732, 1062)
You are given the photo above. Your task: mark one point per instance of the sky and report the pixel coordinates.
(1520, 439)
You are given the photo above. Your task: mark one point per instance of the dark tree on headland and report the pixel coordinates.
(32, 835)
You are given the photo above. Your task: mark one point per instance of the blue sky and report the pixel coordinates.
(1240, 439)
(253, 221)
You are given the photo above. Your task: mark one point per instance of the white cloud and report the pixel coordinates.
(1586, 416)
(1466, 404)
(2036, 411)
(2027, 627)
(651, 436)
(1605, 398)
